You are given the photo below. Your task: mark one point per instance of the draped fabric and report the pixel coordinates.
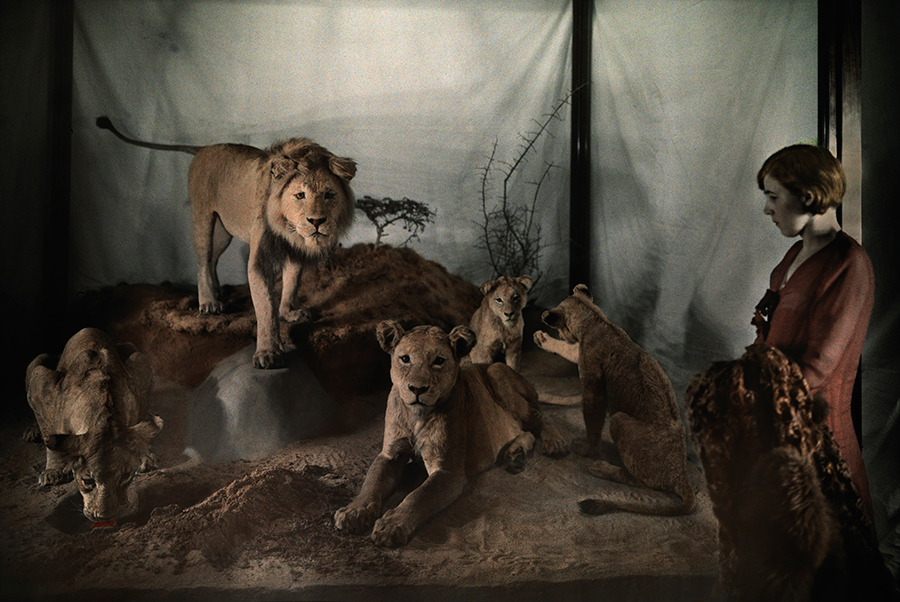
(417, 93)
(690, 98)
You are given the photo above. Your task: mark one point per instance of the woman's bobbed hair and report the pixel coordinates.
(806, 169)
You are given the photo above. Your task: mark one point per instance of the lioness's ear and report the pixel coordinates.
(552, 318)
(342, 167)
(281, 166)
(389, 334)
(139, 371)
(41, 380)
(487, 286)
(525, 281)
(462, 338)
(583, 292)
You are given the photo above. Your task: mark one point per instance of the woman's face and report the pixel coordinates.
(786, 209)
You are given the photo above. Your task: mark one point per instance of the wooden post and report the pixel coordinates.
(580, 175)
(840, 127)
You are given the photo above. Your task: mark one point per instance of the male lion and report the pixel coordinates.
(620, 378)
(460, 420)
(291, 203)
(498, 321)
(89, 404)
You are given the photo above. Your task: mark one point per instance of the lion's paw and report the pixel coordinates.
(32, 434)
(295, 316)
(355, 519)
(555, 446)
(213, 308)
(517, 453)
(268, 359)
(148, 463)
(54, 476)
(391, 531)
(540, 339)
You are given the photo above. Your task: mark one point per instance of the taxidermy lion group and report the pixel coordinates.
(459, 415)
(290, 203)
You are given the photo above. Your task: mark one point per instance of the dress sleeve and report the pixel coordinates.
(836, 315)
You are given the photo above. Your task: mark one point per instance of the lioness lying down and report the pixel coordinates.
(290, 203)
(460, 420)
(89, 404)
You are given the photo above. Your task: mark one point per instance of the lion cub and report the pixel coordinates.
(623, 380)
(498, 323)
(459, 420)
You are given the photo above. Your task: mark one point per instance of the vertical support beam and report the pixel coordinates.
(840, 126)
(55, 264)
(580, 177)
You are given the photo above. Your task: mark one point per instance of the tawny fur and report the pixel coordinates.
(498, 322)
(621, 380)
(458, 420)
(791, 525)
(90, 404)
(291, 203)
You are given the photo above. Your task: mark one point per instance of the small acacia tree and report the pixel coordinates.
(412, 215)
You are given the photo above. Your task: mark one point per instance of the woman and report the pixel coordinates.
(820, 296)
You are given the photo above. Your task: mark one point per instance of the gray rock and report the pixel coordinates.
(241, 412)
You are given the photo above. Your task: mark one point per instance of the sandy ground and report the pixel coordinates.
(262, 528)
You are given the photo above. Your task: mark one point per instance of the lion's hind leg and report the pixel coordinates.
(518, 397)
(654, 458)
(210, 241)
(517, 452)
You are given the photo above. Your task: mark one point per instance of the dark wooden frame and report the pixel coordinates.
(840, 79)
(580, 177)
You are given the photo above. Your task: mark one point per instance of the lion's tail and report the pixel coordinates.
(104, 123)
(642, 501)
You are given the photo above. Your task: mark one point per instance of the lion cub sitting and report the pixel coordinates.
(498, 321)
(459, 420)
(622, 379)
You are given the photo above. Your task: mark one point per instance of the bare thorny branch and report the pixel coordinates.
(511, 237)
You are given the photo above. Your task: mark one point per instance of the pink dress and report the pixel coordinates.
(819, 319)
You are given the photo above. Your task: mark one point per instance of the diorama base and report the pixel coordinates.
(258, 525)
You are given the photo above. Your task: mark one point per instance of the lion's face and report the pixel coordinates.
(104, 465)
(424, 362)
(311, 203)
(568, 315)
(506, 297)
(104, 479)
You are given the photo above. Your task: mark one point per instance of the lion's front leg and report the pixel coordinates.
(290, 283)
(438, 491)
(569, 351)
(269, 348)
(55, 471)
(381, 480)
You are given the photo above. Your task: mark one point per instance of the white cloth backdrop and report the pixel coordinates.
(690, 98)
(417, 92)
